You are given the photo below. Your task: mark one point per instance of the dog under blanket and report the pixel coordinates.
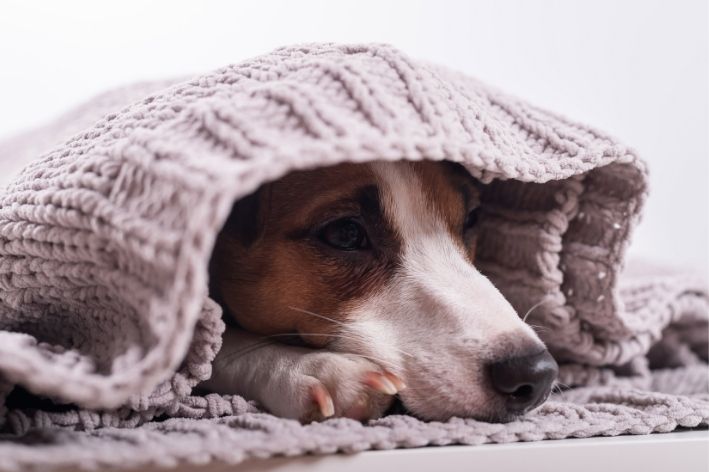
(105, 322)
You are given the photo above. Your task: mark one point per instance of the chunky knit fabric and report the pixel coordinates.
(105, 238)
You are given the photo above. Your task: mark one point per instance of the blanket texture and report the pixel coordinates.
(105, 238)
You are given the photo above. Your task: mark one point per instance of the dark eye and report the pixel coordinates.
(345, 234)
(471, 219)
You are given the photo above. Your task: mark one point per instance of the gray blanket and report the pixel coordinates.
(105, 237)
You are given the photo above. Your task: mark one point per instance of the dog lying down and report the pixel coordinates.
(348, 285)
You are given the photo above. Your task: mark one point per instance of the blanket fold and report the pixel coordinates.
(106, 235)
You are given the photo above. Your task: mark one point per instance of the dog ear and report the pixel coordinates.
(472, 187)
(246, 222)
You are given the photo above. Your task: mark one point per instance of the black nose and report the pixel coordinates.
(524, 381)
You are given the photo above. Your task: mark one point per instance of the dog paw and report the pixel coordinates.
(330, 384)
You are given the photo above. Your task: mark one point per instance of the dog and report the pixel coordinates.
(346, 286)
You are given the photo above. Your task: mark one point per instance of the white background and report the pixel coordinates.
(635, 68)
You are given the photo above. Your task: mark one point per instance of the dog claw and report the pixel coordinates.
(380, 383)
(324, 401)
(398, 383)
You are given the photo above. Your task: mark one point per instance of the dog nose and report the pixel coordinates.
(524, 381)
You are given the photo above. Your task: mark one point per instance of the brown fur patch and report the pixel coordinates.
(265, 282)
(452, 193)
(269, 266)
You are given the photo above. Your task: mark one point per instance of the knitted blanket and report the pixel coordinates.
(105, 323)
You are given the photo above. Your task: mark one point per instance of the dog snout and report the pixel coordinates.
(524, 381)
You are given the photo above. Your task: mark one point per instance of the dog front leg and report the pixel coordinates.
(301, 383)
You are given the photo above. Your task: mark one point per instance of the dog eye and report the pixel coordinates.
(471, 219)
(344, 234)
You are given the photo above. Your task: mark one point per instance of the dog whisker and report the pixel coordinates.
(366, 341)
(327, 318)
(378, 359)
(559, 387)
(534, 307)
(536, 327)
(267, 342)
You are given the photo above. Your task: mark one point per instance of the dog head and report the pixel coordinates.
(378, 260)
